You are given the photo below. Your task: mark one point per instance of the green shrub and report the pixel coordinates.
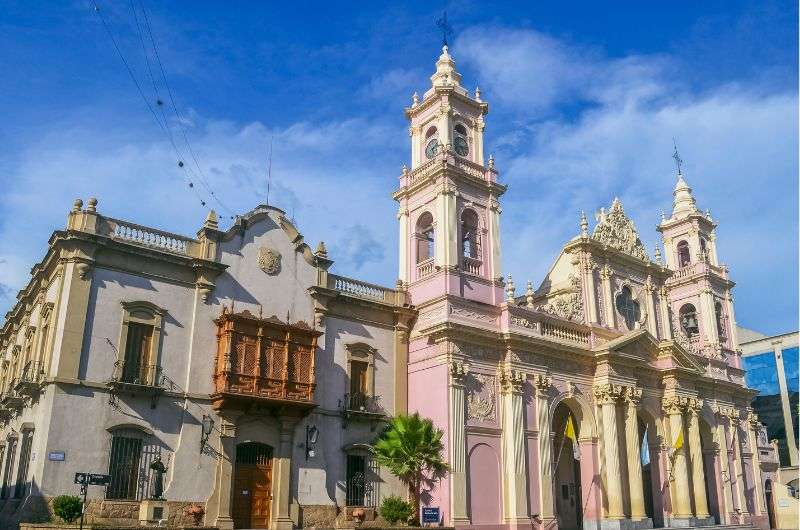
(395, 509)
(67, 507)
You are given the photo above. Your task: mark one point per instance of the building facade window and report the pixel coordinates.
(628, 307)
(425, 237)
(460, 140)
(684, 257)
(470, 238)
(140, 340)
(722, 327)
(361, 377)
(688, 319)
(8, 467)
(131, 452)
(21, 488)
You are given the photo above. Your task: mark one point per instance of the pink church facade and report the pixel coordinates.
(638, 355)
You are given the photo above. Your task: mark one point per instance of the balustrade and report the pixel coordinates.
(425, 268)
(148, 237)
(471, 265)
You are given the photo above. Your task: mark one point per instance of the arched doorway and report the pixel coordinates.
(567, 469)
(252, 485)
(770, 503)
(650, 460)
(709, 470)
(484, 485)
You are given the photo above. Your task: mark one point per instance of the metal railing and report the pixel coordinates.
(135, 373)
(33, 372)
(360, 402)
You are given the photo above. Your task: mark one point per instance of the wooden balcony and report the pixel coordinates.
(263, 362)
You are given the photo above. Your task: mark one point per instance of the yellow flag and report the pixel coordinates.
(569, 432)
(679, 441)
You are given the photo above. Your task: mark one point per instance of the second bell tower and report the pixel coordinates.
(449, 199)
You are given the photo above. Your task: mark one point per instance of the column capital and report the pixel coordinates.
(542, 384)
(458, 372)
(607, 393)
(605, 272)
(693, 406)
(752, 419)
(674, 404)
(632, 395)
(511, 380)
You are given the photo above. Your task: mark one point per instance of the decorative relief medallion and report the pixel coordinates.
(269, 260)
(616, 230)
(481, 398)
(568, 306)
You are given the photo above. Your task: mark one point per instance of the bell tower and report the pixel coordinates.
(699, 291)
(449, 216)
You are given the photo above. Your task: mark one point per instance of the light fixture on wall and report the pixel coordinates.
(208, 427)
(312, 435)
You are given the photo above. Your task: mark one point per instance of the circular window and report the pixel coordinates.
(432, 148)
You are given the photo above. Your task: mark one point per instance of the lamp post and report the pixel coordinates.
(312, 434)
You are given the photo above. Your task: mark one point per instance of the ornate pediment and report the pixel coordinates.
(616, 230)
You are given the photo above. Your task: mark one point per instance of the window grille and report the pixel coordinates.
(12, 450)
(24, 464)
(362, 481)
(253, 454)
(129, 465)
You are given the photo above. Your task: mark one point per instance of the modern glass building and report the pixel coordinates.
(772, 369)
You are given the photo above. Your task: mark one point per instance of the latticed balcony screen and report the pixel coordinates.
(264, 358)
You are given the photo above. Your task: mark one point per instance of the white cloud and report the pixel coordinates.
(739, 146)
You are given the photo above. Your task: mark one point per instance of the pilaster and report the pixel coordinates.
(515, 506)
(542, 385)
(459, 371)
(282, 519)
(650, 304)
(753, 425)
(220, 504)
(608, 302)
(739, 484)
(726, 500)
(663, 306)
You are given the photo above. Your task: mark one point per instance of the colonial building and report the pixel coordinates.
(611, 396)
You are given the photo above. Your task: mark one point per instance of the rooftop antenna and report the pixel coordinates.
(676, 156)
(269, 168)
(444, 27)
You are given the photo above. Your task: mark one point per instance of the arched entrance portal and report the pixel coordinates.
(770, 503)
(567, 469)
(252, 485)
(649, 459)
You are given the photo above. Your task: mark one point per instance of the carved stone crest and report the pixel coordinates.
(269, 260)
(481, 398)
(616, 230)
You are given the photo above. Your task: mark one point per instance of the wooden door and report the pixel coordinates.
(252, 486)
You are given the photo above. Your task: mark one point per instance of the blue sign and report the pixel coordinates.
(56, 456)
(430, 514)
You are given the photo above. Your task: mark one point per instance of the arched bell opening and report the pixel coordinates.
(567, 486)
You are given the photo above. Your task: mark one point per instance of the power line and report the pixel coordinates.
(163, 126)
(202, 178)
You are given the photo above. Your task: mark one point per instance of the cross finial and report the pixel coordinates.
(444, 27)
(677, 157)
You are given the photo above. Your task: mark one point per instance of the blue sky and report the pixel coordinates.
(585, 99)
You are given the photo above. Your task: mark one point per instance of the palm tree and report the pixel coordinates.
(411, 449)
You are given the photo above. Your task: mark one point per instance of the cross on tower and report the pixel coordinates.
(677, 157)
(444, 27)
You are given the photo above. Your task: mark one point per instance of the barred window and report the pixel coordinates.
(132, 452)
(362, 480)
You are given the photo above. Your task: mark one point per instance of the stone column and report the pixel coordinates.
(515, 477)
(663, 304)
(681, 506)
(649, 290)
(220, 515)
(496, 270)
(607, 396)
(591, 298)
(633, 448)
(608, 302)
(738, 465)
(282, 474)
(404, 255)
(753, 426)
(708, 314)
(726, 499)
(458, 458)
(696, 457)
(542, 386)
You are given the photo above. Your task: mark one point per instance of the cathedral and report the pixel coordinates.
(232, 379)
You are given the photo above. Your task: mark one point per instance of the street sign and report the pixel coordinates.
(92, 479)
(430, 514)
(56, 456)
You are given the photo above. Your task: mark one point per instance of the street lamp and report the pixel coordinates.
(208, 427)
(312, 434)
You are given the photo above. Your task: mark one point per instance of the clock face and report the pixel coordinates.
(432, 148)
(462, 148)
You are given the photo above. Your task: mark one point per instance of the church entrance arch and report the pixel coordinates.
(252, 486)
(649, 455)
(567, 486)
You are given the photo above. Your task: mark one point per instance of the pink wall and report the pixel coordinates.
(590, 482)
(483, 482)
